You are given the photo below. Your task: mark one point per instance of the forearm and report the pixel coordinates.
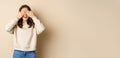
(11, 25)
(38, 25)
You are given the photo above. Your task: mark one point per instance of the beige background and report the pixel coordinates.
(74, 28)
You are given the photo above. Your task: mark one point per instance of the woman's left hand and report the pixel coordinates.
(30, 14)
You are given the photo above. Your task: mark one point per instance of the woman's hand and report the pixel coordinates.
(30, 14)
(19, 15)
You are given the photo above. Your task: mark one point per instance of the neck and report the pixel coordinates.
(24, 20)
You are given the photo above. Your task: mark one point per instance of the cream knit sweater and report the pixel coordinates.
(25, 38)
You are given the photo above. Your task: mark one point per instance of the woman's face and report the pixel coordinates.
(24, 12)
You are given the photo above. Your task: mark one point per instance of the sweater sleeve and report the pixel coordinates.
(10, 26)
(38, 25)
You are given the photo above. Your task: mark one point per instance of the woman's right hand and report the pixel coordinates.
(19, 15)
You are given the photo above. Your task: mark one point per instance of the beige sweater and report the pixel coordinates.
(25, 38)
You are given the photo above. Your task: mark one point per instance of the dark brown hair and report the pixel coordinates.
(29, 20)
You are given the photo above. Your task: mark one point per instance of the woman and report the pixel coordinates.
(25, 28)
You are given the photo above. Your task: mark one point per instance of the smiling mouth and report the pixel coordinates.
(24, 16)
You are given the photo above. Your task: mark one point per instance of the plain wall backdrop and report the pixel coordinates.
(74, 28)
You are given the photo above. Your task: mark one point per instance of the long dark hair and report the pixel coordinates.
(29, 20)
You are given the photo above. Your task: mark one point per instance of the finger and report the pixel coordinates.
(27, 12)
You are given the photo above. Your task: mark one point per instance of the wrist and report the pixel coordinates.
(34, 17)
